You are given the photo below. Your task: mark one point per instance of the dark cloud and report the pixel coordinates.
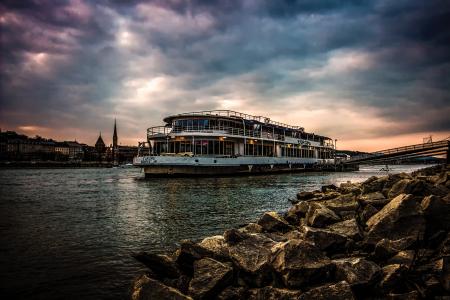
(80, 63)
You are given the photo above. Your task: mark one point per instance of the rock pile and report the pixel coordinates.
(387, 237)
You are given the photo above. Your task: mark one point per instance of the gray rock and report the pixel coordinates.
(399, 219)
(343, 203)
(324, 239)
(350, 188)
(210, 277)
(375, 199)
(386, 248)
(217, 246)
(398, 188)
(338, 291)
(328, 195)
(348, 228)
(305, 195)
(368, 212)
(319, 215)
(232, 293)
(161, 265)
(146, 288)
(190, 252)
(392, 179)
(251, 228)
(436, 211)
(296, 212)
(272, 293)
(272, 221)
(403, 257)
(299, 263)
(373, 184)
(328, 188)
(392, 275)
(252, 256)
(357, 271)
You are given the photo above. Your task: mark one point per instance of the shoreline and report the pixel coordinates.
(54, 165)
(385, 237)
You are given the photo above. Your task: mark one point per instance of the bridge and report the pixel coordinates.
(438, 148)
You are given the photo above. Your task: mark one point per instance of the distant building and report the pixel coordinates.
(75, 150)
(19, 147)
(100, 144)
(62, 148)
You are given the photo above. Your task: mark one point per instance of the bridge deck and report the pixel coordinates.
(418, 150)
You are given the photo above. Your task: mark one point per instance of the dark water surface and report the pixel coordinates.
(69, 233)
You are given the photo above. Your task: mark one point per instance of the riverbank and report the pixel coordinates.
(387, 237)
(53, 164)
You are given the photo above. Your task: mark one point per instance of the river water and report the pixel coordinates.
(70, 233)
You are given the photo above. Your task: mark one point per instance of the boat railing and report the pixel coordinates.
(235, 114)
(163, 130)
(159, 130)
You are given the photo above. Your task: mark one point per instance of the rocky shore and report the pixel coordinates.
(385, 238)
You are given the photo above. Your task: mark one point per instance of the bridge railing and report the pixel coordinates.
(382, 153)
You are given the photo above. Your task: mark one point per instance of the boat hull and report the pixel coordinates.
(161, 166)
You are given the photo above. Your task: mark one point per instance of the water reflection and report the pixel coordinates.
(69, 233)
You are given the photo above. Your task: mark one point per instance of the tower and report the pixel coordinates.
(100, 147)
(115, 147)
(115, 135)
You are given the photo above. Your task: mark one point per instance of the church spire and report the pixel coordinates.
(115, 135)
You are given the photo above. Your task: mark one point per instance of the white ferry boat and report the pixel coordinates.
(221, 142)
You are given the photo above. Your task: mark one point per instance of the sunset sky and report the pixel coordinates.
(372, 74)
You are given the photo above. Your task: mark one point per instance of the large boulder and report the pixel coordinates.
(358, 272)
(374, 184)
(299, 263)
(392, 179)
(272, 221)
(319, 215)
(251, 228)
(376, 199)
(367, 212)
(350, 188)
(399, 219)
(328, 188)
(437, 211)
(404, 257)
(392, 277)
(210, 277)
(189, 252)
(161, 265)
(324, 239)
(296, 212)
(146, 288)
(398, 188)
(343, 203)
(338, 291)
(386, 248)
(217, 247)
(252, 256)
(348, 228)
(232, 293)
(305, 195)
(272, 293)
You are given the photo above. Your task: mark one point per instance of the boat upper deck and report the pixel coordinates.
(234, 124)
(233, 115)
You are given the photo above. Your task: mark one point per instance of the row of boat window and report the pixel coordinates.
(211, 147)
(251, 129)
